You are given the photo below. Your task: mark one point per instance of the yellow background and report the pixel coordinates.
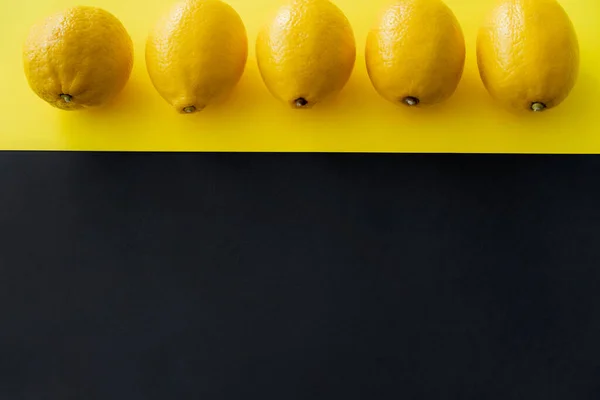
(251, 120)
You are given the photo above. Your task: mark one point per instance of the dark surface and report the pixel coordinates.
(290, 277)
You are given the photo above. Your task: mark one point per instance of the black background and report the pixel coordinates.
(205, 276)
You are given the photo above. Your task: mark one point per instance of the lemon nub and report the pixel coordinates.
(189, 110)
(66, 97)
(411, 101)
(300, 102)
(538, 107)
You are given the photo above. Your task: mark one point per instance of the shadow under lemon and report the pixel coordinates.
(358, 119)
(556, 129)
(140, 119)
(112, 124)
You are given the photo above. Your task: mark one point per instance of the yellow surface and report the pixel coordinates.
(252, 120)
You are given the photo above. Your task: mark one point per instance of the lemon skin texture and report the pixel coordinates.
(78, 58)
(306, 53)
(528, 54)
(415, 54)
(196, 54)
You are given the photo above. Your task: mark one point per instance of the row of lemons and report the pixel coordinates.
(527, 51)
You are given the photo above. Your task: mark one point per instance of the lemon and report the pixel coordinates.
(528, 54)
(306, 53)
(197, 53)
(416, 53)
(78, 58)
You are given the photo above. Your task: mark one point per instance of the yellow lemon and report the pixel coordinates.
(197, 53)
(306, 53)
(528, 54)
(416, 53)
(78, 58)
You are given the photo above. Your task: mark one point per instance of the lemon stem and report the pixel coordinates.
(411, 101)
(66, 98)
(538, 107)
(189, 110)
(301, 102)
